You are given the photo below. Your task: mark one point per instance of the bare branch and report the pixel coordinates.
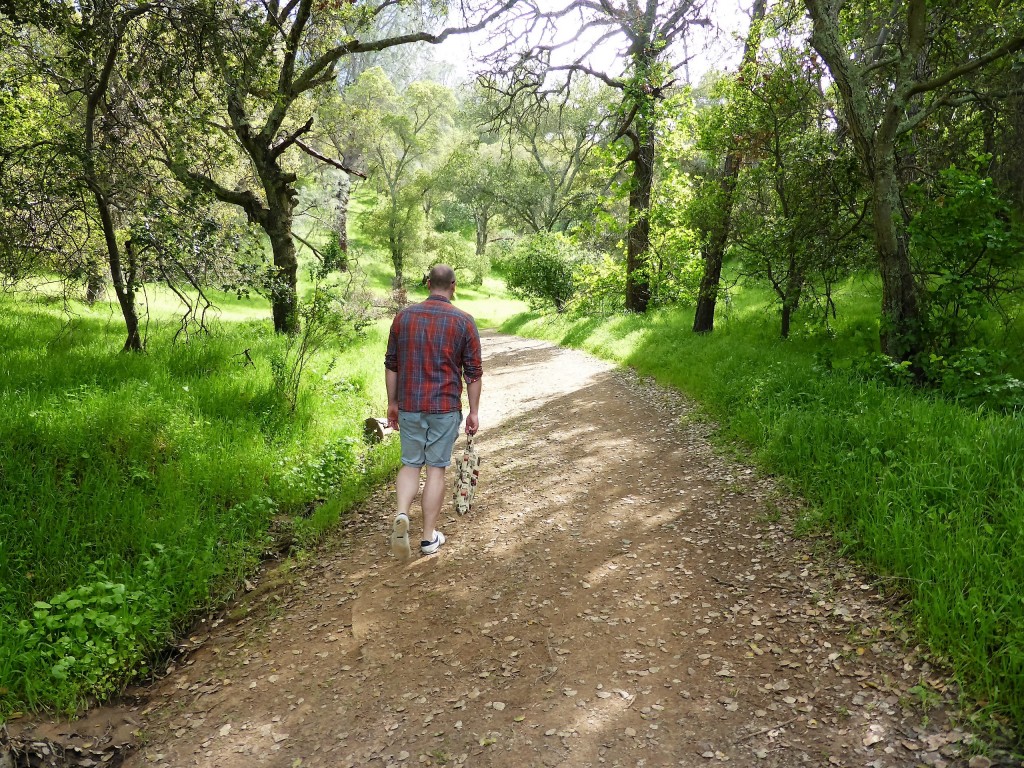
(324, 159)
(323, 65)
(278, 149)
(879, 63)
(244, 199)
(945, 101)
(1010, 46)
(613, 82)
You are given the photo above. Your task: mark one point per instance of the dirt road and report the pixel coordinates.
(622, 595)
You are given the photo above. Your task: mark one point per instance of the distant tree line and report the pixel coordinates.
(171, 141)
(129, 128)
(852, 137)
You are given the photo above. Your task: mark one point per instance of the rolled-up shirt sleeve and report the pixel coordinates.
(391, 355)
(472, 363)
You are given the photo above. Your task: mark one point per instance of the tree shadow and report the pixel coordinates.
(582, 330)
(516, 324)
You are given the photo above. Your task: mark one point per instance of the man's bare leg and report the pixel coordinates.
(433, 498)
(407, 484)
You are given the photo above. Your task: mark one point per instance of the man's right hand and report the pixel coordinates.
(472, 424)
(393, 416)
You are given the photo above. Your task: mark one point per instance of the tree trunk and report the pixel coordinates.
(638, 239)
(787, 318)
(398, 262)
(124, 283)
(94, 285)
(276, 218)
(900, 333)
(283, 292)
(276, 221)
(344, 189)
(482, 222)
(714, 251)
(791, 301)
(97, 85)
(394, 243)
(718, 238)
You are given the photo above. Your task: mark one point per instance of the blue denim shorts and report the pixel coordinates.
(428, 438)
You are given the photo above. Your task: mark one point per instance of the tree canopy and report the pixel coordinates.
(823, 153)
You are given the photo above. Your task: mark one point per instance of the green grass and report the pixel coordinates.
(138, 489)
(929, 493)
(489, 304)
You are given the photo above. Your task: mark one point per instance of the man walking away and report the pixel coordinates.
(432, 347)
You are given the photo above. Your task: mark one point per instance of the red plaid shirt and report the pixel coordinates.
(432, 346)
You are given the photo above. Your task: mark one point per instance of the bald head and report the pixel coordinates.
(441, 279)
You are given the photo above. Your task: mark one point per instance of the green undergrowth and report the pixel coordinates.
(928, 492)
(138, 489)
(489, 303)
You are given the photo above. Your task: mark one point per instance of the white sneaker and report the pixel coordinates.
(400, 537)
(430, 547)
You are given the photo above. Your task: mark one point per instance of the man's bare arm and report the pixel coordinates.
(391, 382)
(473, 420)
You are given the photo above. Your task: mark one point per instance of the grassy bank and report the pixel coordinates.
(138, 489)
(929, 493)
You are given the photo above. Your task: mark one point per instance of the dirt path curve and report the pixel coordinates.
(621, 595)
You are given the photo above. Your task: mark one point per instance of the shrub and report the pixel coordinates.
(334, 258)
(600, 286)
(91, 639)
(541, 270)
(333, 317)
(974, 377)
(499, 251)
(968, 251)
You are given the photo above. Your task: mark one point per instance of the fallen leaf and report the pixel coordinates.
(875, 734)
